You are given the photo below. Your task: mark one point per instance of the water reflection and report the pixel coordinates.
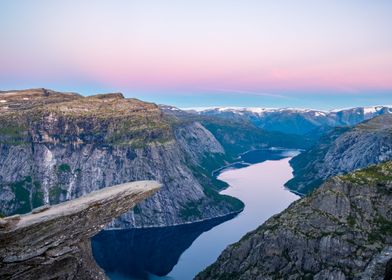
(257, 156)
(135, 253)
(181, 252)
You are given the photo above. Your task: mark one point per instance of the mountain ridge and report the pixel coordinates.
(296, 120)
(341, 151)
(341, 231)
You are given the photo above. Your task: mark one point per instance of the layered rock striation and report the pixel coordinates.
(59, 146)
(54, 242)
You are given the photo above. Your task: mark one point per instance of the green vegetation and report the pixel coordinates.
(190, 211)
(28, 195)
(385, 226)
(138, 131)
(12, 134)
(55, 194)
(12, 131)
(112, 120)
(64, 168)
(351, 221)
(137, 210)
(211, 185)
(375, 174)
(382, 228)
(237, 138)
(37, 195)
(22, 196)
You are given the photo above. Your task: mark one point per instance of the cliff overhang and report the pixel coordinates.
(54, 242)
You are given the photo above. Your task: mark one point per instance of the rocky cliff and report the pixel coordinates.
(59, 146)
(54, 242)
(341, 151)
(343, 230)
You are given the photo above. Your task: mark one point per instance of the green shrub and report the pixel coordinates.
(64, 168)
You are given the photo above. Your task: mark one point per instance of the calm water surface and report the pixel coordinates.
(181, 252)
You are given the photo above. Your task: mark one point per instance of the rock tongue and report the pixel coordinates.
(54, 244)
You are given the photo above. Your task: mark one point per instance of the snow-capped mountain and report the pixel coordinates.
(295, 120)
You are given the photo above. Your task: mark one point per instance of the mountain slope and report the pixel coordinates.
(239, 135)
(341, 151)
(343, 230)
(56, 146)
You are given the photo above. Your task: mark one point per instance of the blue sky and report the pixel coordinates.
(271, 53)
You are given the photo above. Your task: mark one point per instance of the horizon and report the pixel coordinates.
(200, 108)
(322, 55)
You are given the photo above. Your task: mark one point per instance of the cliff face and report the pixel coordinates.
(344, 150)
(54, 243)
(56, 146)
(343, 230)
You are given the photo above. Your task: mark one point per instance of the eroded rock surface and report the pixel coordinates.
(54, 243)
(343, 230)
(341, 151)
(59, 146)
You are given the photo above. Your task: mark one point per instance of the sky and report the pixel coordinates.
(272, 53)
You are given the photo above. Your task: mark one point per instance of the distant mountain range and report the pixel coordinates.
(294, 120)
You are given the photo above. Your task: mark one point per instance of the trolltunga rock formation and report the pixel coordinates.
(54, 242)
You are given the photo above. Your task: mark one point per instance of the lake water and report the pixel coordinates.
(180, 252)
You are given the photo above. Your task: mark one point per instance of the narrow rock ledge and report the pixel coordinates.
(54, 243)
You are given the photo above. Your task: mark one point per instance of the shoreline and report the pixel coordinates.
(217, 171)
(233, 213)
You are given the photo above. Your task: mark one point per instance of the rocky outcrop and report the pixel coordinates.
(342, 151)
(60, 146)
(54, 242)
(343, 230)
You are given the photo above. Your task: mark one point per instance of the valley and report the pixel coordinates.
(138, 253)
(195, 140)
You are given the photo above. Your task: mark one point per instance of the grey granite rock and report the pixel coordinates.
(58, 146)
(55, 243)
(342, 230)
(343, 150)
